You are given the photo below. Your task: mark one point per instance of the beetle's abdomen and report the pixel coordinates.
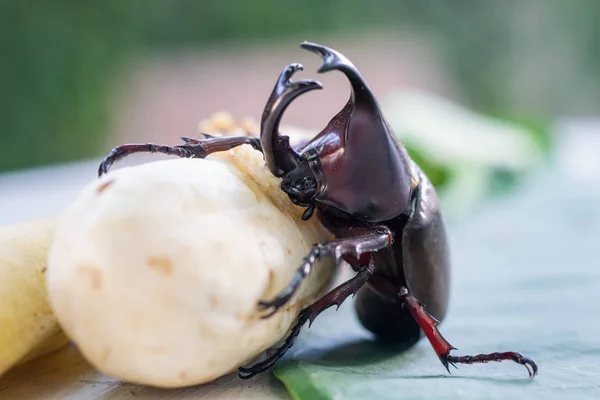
(425, 252)
(385, 318)
(419, 260)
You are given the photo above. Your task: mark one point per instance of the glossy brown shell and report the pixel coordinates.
(419, 259)
(363, 176)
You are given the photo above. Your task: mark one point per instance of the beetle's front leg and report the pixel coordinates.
(370, 240)
(193, 148)
(442, 347)
(334, 297)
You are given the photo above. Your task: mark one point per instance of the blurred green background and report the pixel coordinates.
(61, 61)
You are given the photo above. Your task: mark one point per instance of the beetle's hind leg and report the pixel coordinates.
(334, 297)
(192, 148)
(442, 348)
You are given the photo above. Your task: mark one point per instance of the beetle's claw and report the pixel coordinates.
(263, 307)
(247, 375)
(275, 304)
(446, 363)
(529, 363)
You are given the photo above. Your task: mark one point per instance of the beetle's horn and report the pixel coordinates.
(279, 155)
(333, 60)
(362, 98)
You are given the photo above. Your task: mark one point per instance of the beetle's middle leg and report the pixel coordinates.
(192, 148)
(334, 297)
(442, 347)
(365, 240)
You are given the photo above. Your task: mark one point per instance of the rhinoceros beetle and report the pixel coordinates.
(380, 207)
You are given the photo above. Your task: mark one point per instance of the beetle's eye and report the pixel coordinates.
(306, 184)
(301, 189)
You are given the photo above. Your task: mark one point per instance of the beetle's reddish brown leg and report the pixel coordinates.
(354, 246)
(192, 148)
(442, 348)
(334, 297)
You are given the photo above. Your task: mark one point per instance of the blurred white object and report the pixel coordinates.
(470, 145)
(579, 148)
(450, 133)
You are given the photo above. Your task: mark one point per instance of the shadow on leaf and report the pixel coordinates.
(350, 354)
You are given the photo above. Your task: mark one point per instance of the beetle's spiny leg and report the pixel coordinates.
(334, 297)
(338, 295)
(286, 294)
(336, 248)
(498, 356)
(188, 140)
(192, 148)
(125, 150)
(247, 373)
(442, 347)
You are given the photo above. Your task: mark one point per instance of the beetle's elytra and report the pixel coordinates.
(379, 205)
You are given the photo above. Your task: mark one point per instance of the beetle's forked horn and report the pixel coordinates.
(279, 155)
(334, 60)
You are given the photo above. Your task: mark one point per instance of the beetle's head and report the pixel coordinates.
(298, 179)
(355, 163)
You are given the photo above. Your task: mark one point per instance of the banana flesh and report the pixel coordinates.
(28, 328)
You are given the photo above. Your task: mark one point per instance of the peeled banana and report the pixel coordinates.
(28, 328)
(156, 270)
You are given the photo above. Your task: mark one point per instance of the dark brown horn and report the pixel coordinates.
(279, 155)
(362, 98)
(333, 60)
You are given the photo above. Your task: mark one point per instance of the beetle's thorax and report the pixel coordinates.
(361, 168)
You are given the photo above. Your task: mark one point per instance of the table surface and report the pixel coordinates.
(549, 230)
